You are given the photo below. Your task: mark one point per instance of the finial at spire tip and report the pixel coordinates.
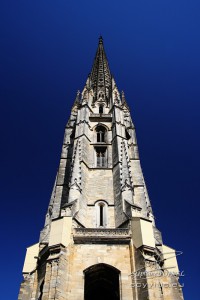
(100, 40)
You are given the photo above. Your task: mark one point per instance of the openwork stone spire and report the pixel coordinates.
(100, 77)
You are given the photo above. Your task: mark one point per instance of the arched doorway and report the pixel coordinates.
(101, 283)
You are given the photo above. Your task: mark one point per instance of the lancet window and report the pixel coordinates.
(101, 156)
(100, 134)
(101, 214)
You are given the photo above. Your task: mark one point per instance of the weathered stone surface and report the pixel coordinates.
(90, 238)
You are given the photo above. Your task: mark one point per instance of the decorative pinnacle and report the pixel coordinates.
(77, 99)
(123, 97)
(77, 94)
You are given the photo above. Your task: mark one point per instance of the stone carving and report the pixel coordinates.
(149, 213)
(75, 185)
(125, 172)
(126, 186)
(102, 232)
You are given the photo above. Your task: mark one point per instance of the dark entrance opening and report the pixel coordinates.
(101, 283)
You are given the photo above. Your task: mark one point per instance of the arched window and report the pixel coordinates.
(101, 217)
(101, 156)
(100, 134)
(101, 109)
(101, 214)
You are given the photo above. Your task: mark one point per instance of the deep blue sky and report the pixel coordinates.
(47, 49)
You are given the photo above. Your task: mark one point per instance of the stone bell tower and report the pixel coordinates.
(99, 239)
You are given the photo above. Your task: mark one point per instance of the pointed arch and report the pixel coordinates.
(101, 133)
(100, 130)
(101, 282)
(101, 124)
(101, 209)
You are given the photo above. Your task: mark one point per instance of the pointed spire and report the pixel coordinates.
(100, 77)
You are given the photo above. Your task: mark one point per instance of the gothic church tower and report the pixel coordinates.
(100, 240)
